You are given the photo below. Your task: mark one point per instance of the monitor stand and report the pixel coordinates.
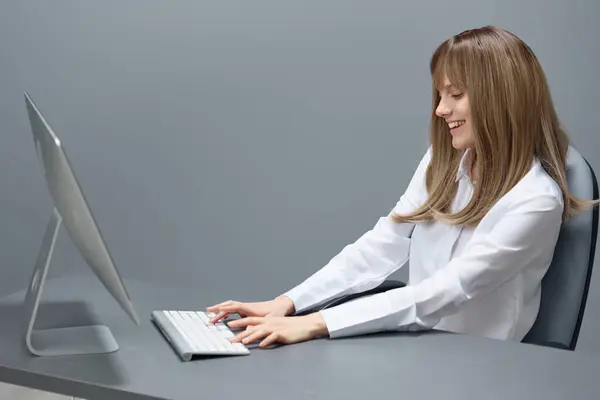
(92, 339)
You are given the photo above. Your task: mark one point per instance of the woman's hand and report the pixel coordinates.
(284, 330)
(278, 307)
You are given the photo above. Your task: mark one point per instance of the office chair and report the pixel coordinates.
(565, 286)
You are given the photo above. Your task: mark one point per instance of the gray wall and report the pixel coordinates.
(242, 144)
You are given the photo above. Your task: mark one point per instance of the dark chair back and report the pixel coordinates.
(566, 284)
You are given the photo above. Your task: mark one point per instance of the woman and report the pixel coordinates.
(479, 219)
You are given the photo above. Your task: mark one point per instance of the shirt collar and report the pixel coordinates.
(464, 171)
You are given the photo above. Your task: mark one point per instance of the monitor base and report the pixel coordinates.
(93, 339)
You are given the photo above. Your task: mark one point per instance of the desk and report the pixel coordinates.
(430, 365)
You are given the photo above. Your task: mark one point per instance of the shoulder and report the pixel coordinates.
(537, 183)
(537, 192)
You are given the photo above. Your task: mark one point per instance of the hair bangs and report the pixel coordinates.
(449, 62)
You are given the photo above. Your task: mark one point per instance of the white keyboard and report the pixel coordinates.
(190, 333)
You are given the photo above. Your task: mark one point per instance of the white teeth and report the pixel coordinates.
(455, 124)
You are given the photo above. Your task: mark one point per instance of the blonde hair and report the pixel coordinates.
(513, 121)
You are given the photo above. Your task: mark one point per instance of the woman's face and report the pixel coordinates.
(455, 110)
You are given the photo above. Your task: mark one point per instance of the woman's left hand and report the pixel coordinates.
(285, 330)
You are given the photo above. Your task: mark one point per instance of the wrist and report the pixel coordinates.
(287, 303)
(318, 326)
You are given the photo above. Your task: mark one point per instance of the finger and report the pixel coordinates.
(254, 336)
(242, 335)
(240, 323)
(234, 308)
(225, 307)
(219, 316)
(269, 340)
(217, 307)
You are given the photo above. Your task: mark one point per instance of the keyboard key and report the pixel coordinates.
(202, 336)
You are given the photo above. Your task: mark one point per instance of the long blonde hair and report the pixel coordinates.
(513, 120)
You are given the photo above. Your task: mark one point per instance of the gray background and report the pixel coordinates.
(242, 144)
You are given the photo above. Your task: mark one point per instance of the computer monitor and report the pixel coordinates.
(71, 210)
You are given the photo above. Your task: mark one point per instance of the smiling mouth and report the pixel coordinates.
(456, 124)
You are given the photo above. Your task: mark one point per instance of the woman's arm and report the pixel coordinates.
(525, 233)
(367, 262)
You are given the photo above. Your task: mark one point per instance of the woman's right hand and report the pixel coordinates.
(278, 307)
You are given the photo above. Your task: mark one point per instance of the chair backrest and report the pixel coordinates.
(565, 286)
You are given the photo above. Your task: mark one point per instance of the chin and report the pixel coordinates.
(462, 141)
(459, 144)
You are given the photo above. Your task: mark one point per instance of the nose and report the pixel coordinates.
(442, 110)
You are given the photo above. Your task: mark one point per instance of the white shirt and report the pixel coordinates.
(484, 280)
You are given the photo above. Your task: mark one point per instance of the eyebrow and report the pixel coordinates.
(448, 86)
(451, 86)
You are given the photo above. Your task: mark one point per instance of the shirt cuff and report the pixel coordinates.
(375, 313)
(300, 298)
